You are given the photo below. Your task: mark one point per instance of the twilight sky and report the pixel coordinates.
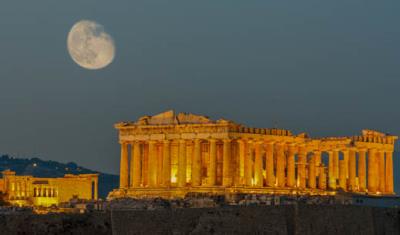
(321, 67)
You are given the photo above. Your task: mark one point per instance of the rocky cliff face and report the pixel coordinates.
(304, 219)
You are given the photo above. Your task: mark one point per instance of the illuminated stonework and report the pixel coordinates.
(31, 191)
(172, 155)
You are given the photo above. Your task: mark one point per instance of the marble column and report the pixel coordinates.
(96, 189)
(362, 170)
(124, 167)
(159, 154)
(336, 163)
(389, 172)
(166, 163)
(226, 163)
(270, 164)
(346, 162)
(342, 175)
(280, 164)
(152, 169)
(182, 163)
(331, 171)
(212, 171)
(291, 182)
(311, 173)
(258, 176)
(372, 171)
(236, 163)
(242, 155)
(301, 166)
(352, 170)
(249, 163)
(196, 164)
(381, 169)
(136, 166)
(322, 178)
(318, 161)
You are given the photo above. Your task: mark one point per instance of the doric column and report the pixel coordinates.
(159, 154)
(212, 176)
(291, 182)
(152, 169)
(352, 169)
(318, 161)
(136, 166)
(381, 171)
(372, 171)
(182, 163)
(226, 163)
(96, 189)
(362, 170)
(248, 171)
(322, 177)
(280, 164)
(301, 166)
(331, 171)
(346, 162)
(270, 164)
(235, 153)
(336, 163)
(196, 164)
(342, 175)
(389, 172)
(166, 163)
(242, 155)
(311, 173)
(123, 180)
(258, 176)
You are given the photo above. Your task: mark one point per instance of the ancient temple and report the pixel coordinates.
(170, 155)
(26, 190)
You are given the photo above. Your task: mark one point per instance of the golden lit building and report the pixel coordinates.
(28, 190)
(170, 155)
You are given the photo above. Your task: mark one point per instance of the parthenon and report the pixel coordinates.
(170, 155)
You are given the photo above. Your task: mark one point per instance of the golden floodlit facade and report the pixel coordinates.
(170, 155)
(26, 190)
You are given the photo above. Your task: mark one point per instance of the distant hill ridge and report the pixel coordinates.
(42, 168)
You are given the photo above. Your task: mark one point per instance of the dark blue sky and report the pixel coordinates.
(322, 67)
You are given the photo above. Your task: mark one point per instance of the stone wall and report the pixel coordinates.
(291, 219)
(305, 219)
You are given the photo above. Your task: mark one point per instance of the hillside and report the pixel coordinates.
(41, 168)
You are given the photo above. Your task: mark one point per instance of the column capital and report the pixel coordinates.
(212, 140)
(197, 140)
(226, 140)
(270, 142)
(166, 141)
(152, 141)
(362, 149)
(182, 141)
(352, 148)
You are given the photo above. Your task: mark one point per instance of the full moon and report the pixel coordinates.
(89, 45)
